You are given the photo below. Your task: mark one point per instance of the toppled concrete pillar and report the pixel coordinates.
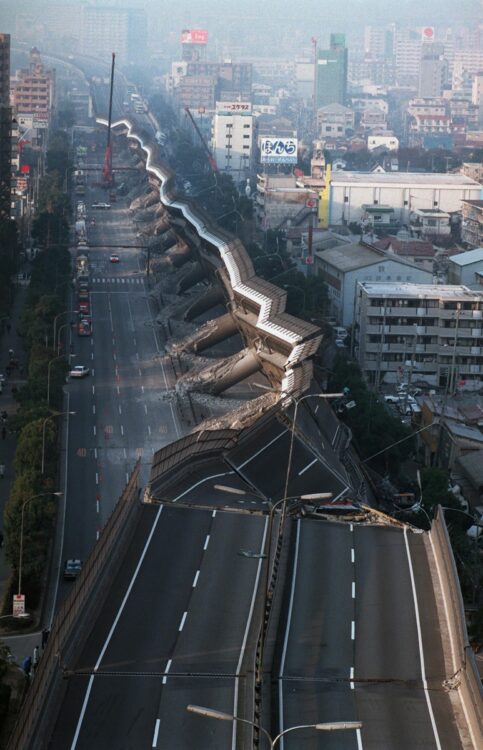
(167, 240)
(209, 334)
(222, 374)
(196, 274)
(179, 254)
(204, 302)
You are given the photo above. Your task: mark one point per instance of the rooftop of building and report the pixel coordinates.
(415, 248)
(469, 257)
(421, 291)
(353, 255)
(411, 179)
(476, 203)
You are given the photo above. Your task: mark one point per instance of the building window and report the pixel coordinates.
(376, 203)
(346, 199)
(435, 203)
(406, 203)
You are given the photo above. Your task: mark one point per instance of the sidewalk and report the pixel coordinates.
(10, 340)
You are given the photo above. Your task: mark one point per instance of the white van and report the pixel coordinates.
(339, 332)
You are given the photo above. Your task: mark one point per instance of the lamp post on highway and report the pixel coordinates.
(48, 375)
(65, 312)
(20, 558)
(267, 553)
(51, 416)
(327, 726)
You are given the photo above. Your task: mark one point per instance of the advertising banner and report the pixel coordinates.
(194, 36)
(278, 150)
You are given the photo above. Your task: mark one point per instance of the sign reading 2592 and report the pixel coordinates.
(278, 150)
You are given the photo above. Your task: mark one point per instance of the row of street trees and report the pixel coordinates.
(34, 424)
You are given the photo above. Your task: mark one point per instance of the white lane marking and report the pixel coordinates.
(92, 355)
(95, 430)
(113, 341)
(195, 580)
(92, 372)
(207, 541)
(308, 466)
(213, 514)
(97, 478)
(113, 627)
(351, 526)
(120, 409)
(122, 430)
(156, 731)
(97, 534)
(134, 341)
(137, 356)
(353, 630)
(183, 620)
(125, 452)
(420, 643)
(351, 678)
(93, 408)
(118, 391)
(149, 430)
(353, 555)
(93, 390)
(95, 453)
(287, 632)
(127, 477)
(63, 514)
(142, 389)
(353, 589)
(245, 638)
(166, 669)
(140, 373)
(114, 356)
(201, 481)
(262, 449)
(359, 739)
(97, 506)
(145, 409)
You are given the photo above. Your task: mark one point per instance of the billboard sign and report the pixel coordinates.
(40, 120)
(427, 34)
(233, 108)
(278, 150)
(18, 609)
(194, 36)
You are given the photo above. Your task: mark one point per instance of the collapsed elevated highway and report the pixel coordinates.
(274, 343)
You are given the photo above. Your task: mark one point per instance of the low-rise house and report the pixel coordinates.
(466, 268)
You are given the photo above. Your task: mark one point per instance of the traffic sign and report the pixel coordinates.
(18, 605)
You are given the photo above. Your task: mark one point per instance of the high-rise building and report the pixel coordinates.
(114, 29)
(331, 72)
(233, 137)
(33, 90)
(477, 95)
(432, 70)
(5, 126)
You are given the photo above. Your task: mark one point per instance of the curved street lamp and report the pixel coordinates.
(51, 416)
(328, 726)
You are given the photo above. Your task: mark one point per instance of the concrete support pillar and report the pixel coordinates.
(196, 274)
(223, 374)
(179, 254)
(209, 334)
(212, 297)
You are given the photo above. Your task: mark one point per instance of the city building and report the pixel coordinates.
(428, 222)
(5, 126)
(202, 84)
(407, 53)
(473, 170)
(107, 29)
(466, 268)
(352, 195)
(33, 91)
(387, 142)
(343, 267)
(430, 333)
(432, 70)
(193, 45)
(477, 95)
(233, 138)
(472, 222)
(331, 73)
(280, 201)
(420, 252)
(334, 120)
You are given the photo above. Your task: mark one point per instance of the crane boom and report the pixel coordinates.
(211, 159)
(107, 175)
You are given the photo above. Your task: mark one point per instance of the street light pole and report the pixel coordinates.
(328, 726)
(24, 504)
(51, 416)
(48, 376)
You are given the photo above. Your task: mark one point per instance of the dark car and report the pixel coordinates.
(72, 568)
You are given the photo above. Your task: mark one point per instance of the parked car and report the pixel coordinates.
(114, 258)
(72, 568)
(100, 205)
(79, 371)
(392, 398)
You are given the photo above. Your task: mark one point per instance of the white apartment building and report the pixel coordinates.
(334, 120)
(430, 333)
(233, 137)
(353, 195)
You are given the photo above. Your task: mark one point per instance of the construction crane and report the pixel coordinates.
(107, 174)
(211, 158)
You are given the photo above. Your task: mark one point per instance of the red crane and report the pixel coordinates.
(211, 158)
(107, 174)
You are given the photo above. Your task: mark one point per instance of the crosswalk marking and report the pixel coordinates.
(115, 280)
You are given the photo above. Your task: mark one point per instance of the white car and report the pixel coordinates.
(79, 371)
(100, 204)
